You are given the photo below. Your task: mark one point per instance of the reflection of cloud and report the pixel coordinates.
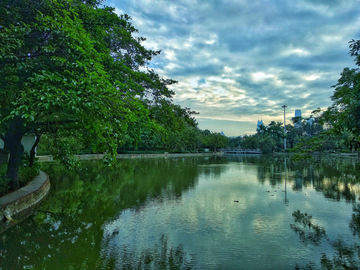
(266, 226)
(233, 207)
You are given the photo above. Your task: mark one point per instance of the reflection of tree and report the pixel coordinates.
(128, 184)
(213, 169)
(298, 183)
(355, 220)
(161, 256)
(269, 167)
(309, 266)
(70, 221)
(333, 176)
(308, 232)
(52, 243)
(345, 257)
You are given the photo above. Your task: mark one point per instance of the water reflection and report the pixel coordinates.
(346, 256)
(336, 178)
(308, 231)
(345, 253)
(66, 231)
(246, 212)
(160, 256)
(355, 221)
(286, 200)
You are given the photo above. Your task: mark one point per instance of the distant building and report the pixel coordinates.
(297, 119)
(310, 121)
(259, 125)
(222, 133)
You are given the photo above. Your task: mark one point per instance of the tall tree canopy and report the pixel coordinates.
(343, 116)
(72, 65)
(342, 119)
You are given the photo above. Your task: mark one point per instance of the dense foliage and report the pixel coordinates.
(341, 121)
(76, 74)
(60, 71)
(270, 138)
(26, 174)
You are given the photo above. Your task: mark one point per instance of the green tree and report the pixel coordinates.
(235, 142)
(292, 135)
(179, 123)
(68, 66)
(342, 119)
(218, 141)
(267, 140)
(276, 132)
(343, 116)
(213, 140)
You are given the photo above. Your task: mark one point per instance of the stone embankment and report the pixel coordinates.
(19, 203)
(120, 156)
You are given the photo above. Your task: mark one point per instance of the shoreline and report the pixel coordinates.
(17, 205)
(347, 155)
(49, 158)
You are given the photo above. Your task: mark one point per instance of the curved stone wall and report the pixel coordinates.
(25, 198)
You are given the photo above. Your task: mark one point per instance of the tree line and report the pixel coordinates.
(270, 138)
(76, 72)
(336, 128)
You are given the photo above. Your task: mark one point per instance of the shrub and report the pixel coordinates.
(4, 182)
(26, 174)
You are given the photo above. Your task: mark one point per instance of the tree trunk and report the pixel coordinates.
(32, 151)
(12, 143)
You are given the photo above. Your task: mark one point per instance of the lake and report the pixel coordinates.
(217, 212)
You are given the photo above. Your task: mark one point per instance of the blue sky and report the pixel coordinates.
(239, 60)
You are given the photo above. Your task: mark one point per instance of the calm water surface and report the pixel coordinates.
(194, 213)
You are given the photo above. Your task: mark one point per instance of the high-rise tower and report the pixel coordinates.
(297, 119)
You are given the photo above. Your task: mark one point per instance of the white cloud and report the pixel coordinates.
(289, 53)
(170, 55)
(296, 51)
(171, 66)
(221, 79)
(312, 77)
(228, 69)
(258, 76)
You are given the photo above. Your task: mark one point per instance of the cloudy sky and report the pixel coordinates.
(240, 60)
